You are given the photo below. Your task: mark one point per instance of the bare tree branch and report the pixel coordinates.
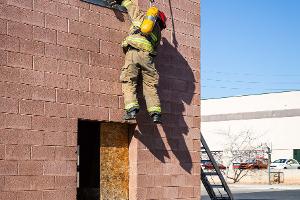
(240, 147)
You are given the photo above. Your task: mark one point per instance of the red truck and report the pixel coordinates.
(252, 164)
(207, 164)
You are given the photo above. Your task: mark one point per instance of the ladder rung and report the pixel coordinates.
(210, 173)
(217, 186)
(208, 186)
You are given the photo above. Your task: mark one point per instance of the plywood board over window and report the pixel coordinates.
(103, 161)
(114, 161)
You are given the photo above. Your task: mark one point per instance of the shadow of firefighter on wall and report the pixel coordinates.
(176, 88)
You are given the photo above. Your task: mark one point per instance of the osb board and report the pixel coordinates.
(114, 162)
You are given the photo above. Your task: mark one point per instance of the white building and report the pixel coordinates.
(274, 118)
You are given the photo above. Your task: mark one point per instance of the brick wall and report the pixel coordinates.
(59, 61)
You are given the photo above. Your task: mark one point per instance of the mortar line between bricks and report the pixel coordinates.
(109, 119)
(56, 90)
(26, 23)
(44, 109)
(41, 86)
(186, 22)
(46, 101)
(19, 105)
(100, 26)
(18, 114)
(69, 47)
(68, 79)
(18, 165)
(32, 57)
(89, 60)
(31, 125)
(31, 116)
(68, 26)
(90, 85)
(6, 26)
(59, 45)
(18, 52)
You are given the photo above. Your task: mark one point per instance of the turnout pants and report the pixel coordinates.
(135, 62)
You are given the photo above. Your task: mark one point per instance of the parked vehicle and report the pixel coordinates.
(285, 164)
(207, 164)
(252, 164)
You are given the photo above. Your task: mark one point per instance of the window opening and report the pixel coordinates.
(103, 160)
(107, 4)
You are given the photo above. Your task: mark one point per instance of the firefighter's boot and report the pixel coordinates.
(131, 114)
(156, 117)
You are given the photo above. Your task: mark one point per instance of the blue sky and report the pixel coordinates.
(249, 47)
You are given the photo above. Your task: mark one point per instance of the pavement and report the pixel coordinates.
(261, 192)
(247, 187)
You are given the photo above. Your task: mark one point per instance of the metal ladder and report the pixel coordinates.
(213, 189)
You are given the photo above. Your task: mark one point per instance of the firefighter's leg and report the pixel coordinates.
(150, 83)
(128, 79)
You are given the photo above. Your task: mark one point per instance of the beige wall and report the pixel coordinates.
(252, 103)
(274, 118)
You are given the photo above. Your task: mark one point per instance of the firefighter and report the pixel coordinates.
(140, 49)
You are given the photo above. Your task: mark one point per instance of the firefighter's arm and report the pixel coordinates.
(136, 16)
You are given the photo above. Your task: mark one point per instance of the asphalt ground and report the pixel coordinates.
(261, 192)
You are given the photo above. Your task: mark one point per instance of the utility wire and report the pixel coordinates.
(205, 97)
(249, 74)
(248, 82)
(247, 88)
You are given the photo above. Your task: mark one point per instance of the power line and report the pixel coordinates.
(248, 74)
(247, 88)
(203, 97)
(249, 82)
(239, 83)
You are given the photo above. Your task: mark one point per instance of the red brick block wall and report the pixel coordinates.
(59, 61)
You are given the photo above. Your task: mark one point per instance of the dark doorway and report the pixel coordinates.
(297, 154)
(88, 173)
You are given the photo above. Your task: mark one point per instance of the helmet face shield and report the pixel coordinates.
(162, 20)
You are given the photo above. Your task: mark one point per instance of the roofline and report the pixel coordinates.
(255, 94)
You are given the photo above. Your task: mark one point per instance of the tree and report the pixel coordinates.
(239, 148)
